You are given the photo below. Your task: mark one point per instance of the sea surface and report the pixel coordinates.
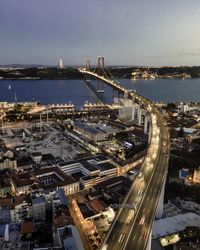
(76, 91)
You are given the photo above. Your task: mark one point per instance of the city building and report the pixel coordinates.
(27, 229)
(53, 177)
(15, 209)
(90, 131)
(5, 185)
(167, 229)
(196, 176)
(46, 178)
(126, 109)
(21, 211)
(61, 65)
(21, 182)
(80, 138)
(91, 169)
(2, 233)
(9, 163)
(36, 157)
(25, 163)
(69, 238)
(38, 208)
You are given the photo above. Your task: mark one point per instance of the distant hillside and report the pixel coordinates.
(40, 73)
(118, 72)
(194, 72)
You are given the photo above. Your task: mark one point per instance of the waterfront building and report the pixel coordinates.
(89, 131)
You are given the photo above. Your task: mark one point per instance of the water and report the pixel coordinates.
(167, 90)
(63, 91)
(46, 91)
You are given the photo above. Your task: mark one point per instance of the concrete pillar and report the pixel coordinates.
(159, 211)
(149, 242)
(133, 113)
(143, 117)
(139, 116)
(146, 124)
(135, 108)
(136, 111)
(149, 135)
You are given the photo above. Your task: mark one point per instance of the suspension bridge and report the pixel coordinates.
(147, 191)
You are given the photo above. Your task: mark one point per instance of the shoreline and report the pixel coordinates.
(145, 79)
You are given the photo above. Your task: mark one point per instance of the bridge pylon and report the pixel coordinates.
(101, 62)
(87, 65)
(100, 71)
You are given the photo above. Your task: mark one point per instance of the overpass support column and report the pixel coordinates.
(146, 124)
(139, 115)
(159, 211)
(149, 242)
(149, 135)
(134, 111)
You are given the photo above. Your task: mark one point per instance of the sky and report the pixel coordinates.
(125, 32)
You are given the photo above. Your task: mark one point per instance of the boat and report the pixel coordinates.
(9, 86)
(100, 91)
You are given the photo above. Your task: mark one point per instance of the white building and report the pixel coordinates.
(196, 176)
(36, 157)
(20, 212)
(8, 163)
(69, 238)
(61, 65)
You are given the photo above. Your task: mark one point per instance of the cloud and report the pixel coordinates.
(182, 54)
(157, 56)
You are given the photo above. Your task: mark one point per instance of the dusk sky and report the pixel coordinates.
(128, 32)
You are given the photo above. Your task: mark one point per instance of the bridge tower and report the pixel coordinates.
(87, 65)
(100, 71)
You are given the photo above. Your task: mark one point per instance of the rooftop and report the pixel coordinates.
(27, 227)
(89, 166)
(174, 224)
(88, 128)
(105, 166)
(8, 202)
(22, 179)
(70, 238)
(35, 154)
(24, 161)
(38, 200)
(64, 179)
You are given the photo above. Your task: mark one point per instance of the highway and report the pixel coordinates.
(132, 227)
(138, 236)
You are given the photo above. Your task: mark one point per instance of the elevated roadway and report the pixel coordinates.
(132, 227)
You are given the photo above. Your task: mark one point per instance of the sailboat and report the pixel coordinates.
(9, 86)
